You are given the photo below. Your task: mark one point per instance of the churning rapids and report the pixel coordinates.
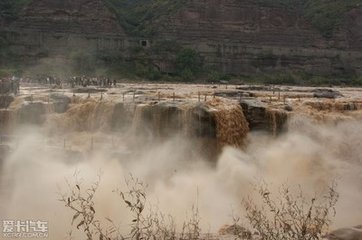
(199, 145)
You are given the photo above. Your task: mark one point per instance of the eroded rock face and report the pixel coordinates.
(261, 118)
(353, 28)
(234, 36)
(210, 125)
(241, 37)
(5, 87)
(243, 22)
(167, 119)
(70, 16)
(32, 113)
(60, 102)
(6, 100)
(56, 28)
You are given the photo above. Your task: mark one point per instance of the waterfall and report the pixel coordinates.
(276, 120)
(231, 124)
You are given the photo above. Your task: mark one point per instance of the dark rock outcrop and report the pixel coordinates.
(167, 119)
(210, 126)
(326, 93)
(6, 100)
(32, 113)
(262, 118)
(60, 102)
(5, 87)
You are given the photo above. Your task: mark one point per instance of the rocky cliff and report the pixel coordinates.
(233, 36)
(352, 29)
(47, 27)
(246, 37)
(81, 16)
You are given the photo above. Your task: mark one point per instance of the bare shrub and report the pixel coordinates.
(81, 202)
(145, 225)
(290, 216)
(191, 228)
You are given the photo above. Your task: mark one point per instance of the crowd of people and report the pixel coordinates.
(94, 81)
(75, 81)
(12, 84)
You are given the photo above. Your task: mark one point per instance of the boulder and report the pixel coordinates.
(326, 93)
(288, 108)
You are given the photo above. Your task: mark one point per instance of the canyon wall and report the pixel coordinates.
(243, 37)
(233, 36)
(51, 27)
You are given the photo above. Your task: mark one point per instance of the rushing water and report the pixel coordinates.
(187, 153)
